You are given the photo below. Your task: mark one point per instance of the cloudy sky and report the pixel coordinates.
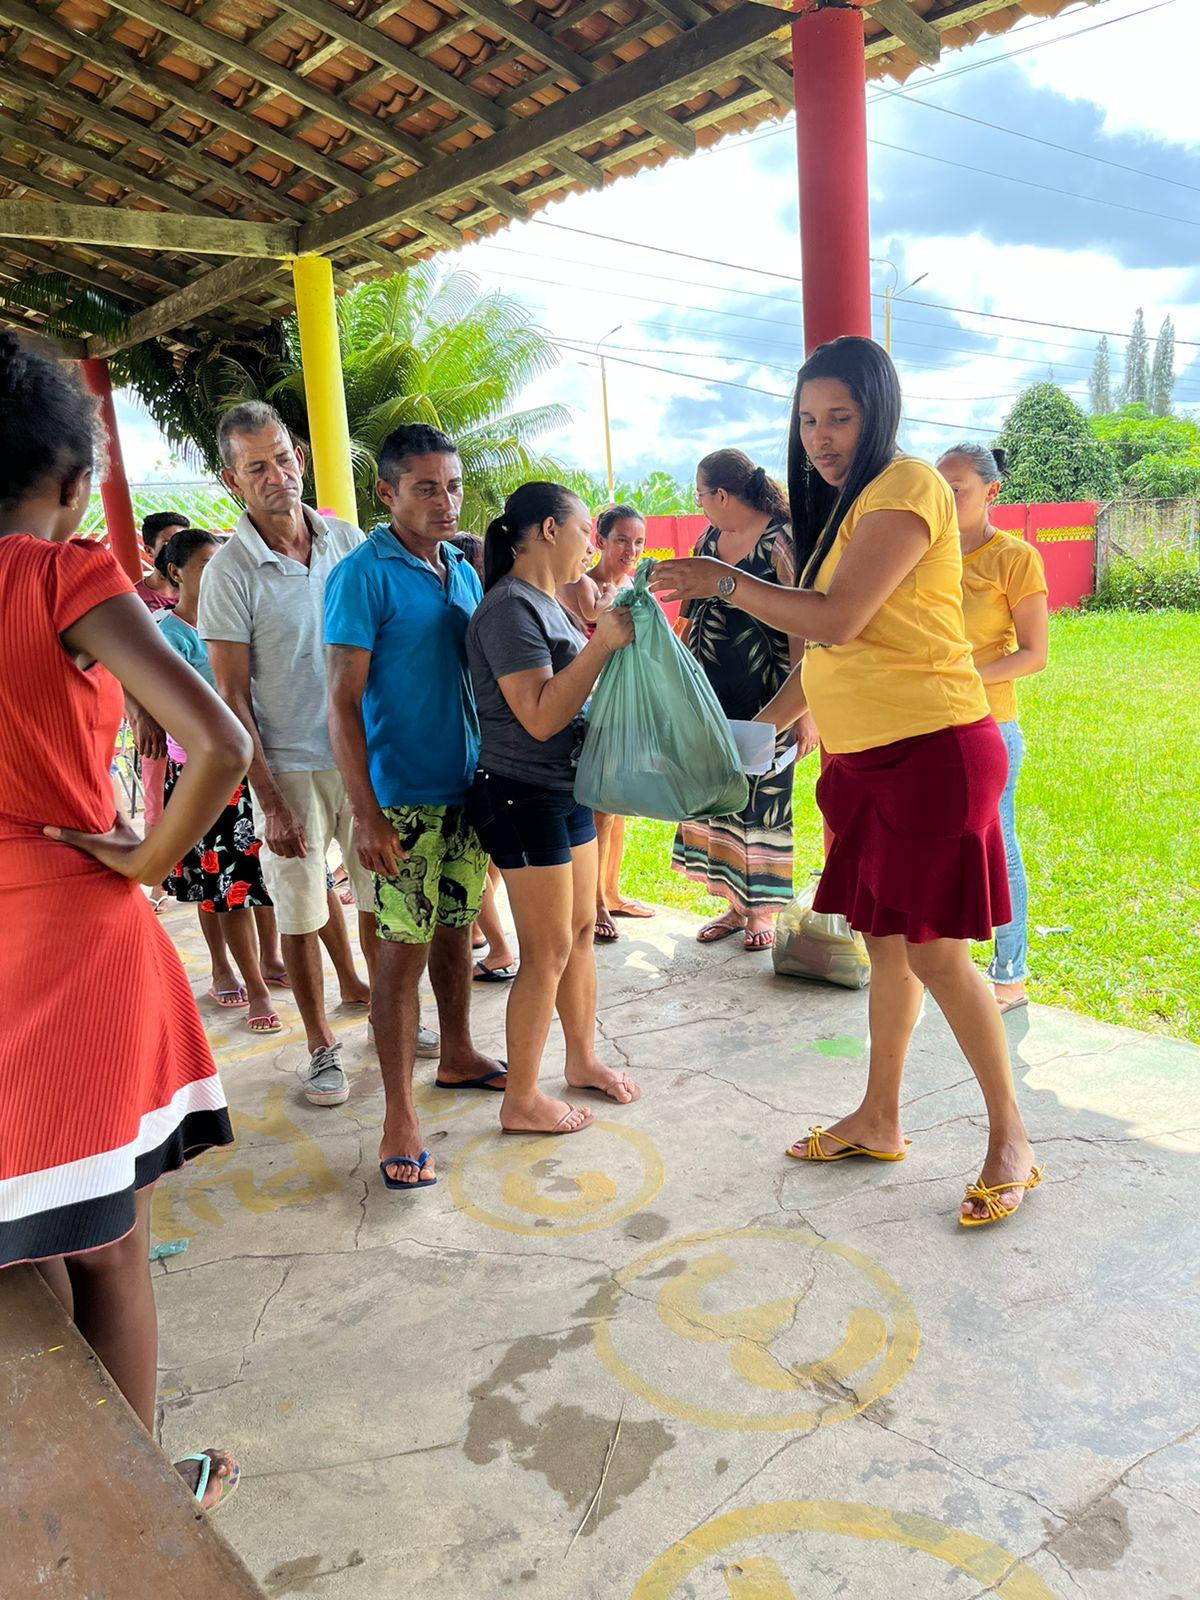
(1077, 231)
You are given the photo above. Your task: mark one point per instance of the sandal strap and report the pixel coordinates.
(987, 1194)
(815, 1153)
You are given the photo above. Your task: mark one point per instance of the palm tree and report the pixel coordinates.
(428, 347)
(422, 346)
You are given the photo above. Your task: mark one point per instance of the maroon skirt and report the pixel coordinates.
(917, 848)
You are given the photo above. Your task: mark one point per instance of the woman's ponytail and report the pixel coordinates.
(499, 551)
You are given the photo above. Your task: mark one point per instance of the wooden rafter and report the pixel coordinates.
(900, 18)
(145, 230)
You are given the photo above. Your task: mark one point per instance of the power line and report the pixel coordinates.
(774, 394)
(789, 277)
(1030, 138)
(1028, 183)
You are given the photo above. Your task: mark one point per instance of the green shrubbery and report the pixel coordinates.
(1167, 580)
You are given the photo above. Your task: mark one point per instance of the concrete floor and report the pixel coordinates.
(737, 1376)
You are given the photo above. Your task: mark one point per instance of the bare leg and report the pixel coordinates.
(115, 1313)
(946, 968)
(606, 928)
(576, 998)
(333, 936)
(58, 1281)
(733, 921)
(369, 943)
(270, 956)
(450, 975)
(397, 1015)
(243, 945)
(499, 952)
(109, 1295)
(223, 979)
(893, 1005)
(302, 957)
(542, 901)
(610, 874)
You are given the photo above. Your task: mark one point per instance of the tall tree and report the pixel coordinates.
(1136, 388)
(1100, 382)
(1162, 373)
(1053, 453)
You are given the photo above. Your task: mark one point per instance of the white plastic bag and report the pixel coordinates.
(818, 946)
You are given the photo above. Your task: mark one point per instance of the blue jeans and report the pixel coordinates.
(1010, 955)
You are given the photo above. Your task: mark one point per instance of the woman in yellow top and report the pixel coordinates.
(1004, 604)
(915, 763)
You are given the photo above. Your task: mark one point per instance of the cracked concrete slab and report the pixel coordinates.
(658, 1360)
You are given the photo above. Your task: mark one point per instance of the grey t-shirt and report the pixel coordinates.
(516, 628)
(252, 595)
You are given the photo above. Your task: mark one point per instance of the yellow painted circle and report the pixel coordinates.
(609, 1172)
(985, 1563)
(881, 1340)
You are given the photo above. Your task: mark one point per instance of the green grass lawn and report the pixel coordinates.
(1107, 813)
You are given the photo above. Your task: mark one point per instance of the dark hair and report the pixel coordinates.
(818, 509)
(471, 546)
(180, 548)
(48, 422)
(252, 416)
(411, 439)
(733, 471)
(608, 519)
(989, 462)
(158, 522)
(527, 507)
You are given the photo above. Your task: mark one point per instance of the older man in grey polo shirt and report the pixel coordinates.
(262, 608)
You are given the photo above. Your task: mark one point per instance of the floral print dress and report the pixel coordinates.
(746, 859)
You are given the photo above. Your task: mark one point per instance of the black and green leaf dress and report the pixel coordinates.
(746, 859)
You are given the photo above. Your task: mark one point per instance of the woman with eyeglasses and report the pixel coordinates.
(745, 859)
(916, 764)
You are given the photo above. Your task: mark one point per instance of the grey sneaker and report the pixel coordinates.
(428, 1043)
(326, 1083)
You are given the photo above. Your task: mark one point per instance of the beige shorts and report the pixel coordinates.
(297, 885)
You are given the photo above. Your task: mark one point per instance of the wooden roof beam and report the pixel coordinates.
(220, 47)
(187, 305)
(381, 47)
(124, 64)
(51, 344)
(121, 124)
(145, 230)
(668, 75)
(89, 159)
(900, 18)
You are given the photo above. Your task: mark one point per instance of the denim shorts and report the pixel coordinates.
(523, 825)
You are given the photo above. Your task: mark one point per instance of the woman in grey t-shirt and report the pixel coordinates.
(532, 674)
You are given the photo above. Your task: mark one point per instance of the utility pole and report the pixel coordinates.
(608, 459)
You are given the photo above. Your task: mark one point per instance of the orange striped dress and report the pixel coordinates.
(106, 1078)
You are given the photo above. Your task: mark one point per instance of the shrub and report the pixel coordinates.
(1167, 580)
(1053, 455)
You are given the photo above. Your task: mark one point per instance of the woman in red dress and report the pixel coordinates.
(106, 1079)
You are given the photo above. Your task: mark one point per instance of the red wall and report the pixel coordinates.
(1070, 563)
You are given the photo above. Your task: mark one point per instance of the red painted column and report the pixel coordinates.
(123, 538)
(831, 137)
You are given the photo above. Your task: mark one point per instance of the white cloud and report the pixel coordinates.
(1139, 69)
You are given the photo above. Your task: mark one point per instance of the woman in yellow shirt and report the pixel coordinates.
(1004, 605)
(915, 763)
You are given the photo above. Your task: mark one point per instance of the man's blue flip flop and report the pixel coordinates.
(488, 1081)
(406, 1161)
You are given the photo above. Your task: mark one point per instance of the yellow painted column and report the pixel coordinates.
(324, 390)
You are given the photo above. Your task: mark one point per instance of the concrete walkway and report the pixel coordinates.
(659, 1361)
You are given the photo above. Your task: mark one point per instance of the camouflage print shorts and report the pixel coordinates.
(440, 882)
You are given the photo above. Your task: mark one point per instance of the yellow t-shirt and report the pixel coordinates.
(910, 670)
(996, 577)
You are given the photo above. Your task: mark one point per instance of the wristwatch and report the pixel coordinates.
(726, 586)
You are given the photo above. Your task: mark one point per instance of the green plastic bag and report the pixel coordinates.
(658, 743)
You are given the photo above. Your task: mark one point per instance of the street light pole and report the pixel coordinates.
(604, 401)
(890, 294)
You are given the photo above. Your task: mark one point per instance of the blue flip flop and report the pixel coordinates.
(488, 1081)
(494, 974)
(406, 1161)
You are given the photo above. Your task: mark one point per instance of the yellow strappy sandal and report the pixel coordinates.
(815, 1153)
(988, 1193)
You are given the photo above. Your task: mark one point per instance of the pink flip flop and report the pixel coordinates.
(229, 999)
(267, 1023)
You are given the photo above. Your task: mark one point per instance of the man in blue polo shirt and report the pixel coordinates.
(406, 738)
